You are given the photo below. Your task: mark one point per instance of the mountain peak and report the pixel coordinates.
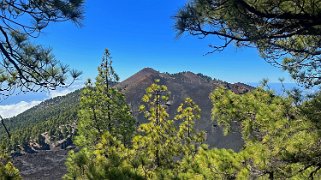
(148, 70)
(143, 76)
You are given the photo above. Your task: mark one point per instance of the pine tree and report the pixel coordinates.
(103, 108)
(286, 33)
(26, 66)
(103, 116)
(159, 150)
(112, 160)
(7, 169)
(155, 144)
(188, 113)
(213, 164)
(280, 139)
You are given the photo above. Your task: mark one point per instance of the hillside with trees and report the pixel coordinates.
(58, 116)
(47, 125)
(159, 125)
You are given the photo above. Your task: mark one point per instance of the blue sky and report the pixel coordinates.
(141, 34)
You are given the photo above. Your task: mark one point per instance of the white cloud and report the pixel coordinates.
(11, 110)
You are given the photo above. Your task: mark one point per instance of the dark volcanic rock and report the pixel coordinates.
(43, 165)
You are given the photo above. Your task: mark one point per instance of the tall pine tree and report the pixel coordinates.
(103, 108)
(103, 115)
(155, 144)
(188, 112)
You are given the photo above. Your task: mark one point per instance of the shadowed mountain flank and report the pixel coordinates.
(57, 119)
(183, 85)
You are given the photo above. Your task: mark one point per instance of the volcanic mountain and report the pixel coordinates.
(59, 115)
(183, 85)
(56, 112)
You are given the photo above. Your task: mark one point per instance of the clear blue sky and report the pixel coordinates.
(141, 34)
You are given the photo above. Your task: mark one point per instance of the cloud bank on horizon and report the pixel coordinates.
(13, 109)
